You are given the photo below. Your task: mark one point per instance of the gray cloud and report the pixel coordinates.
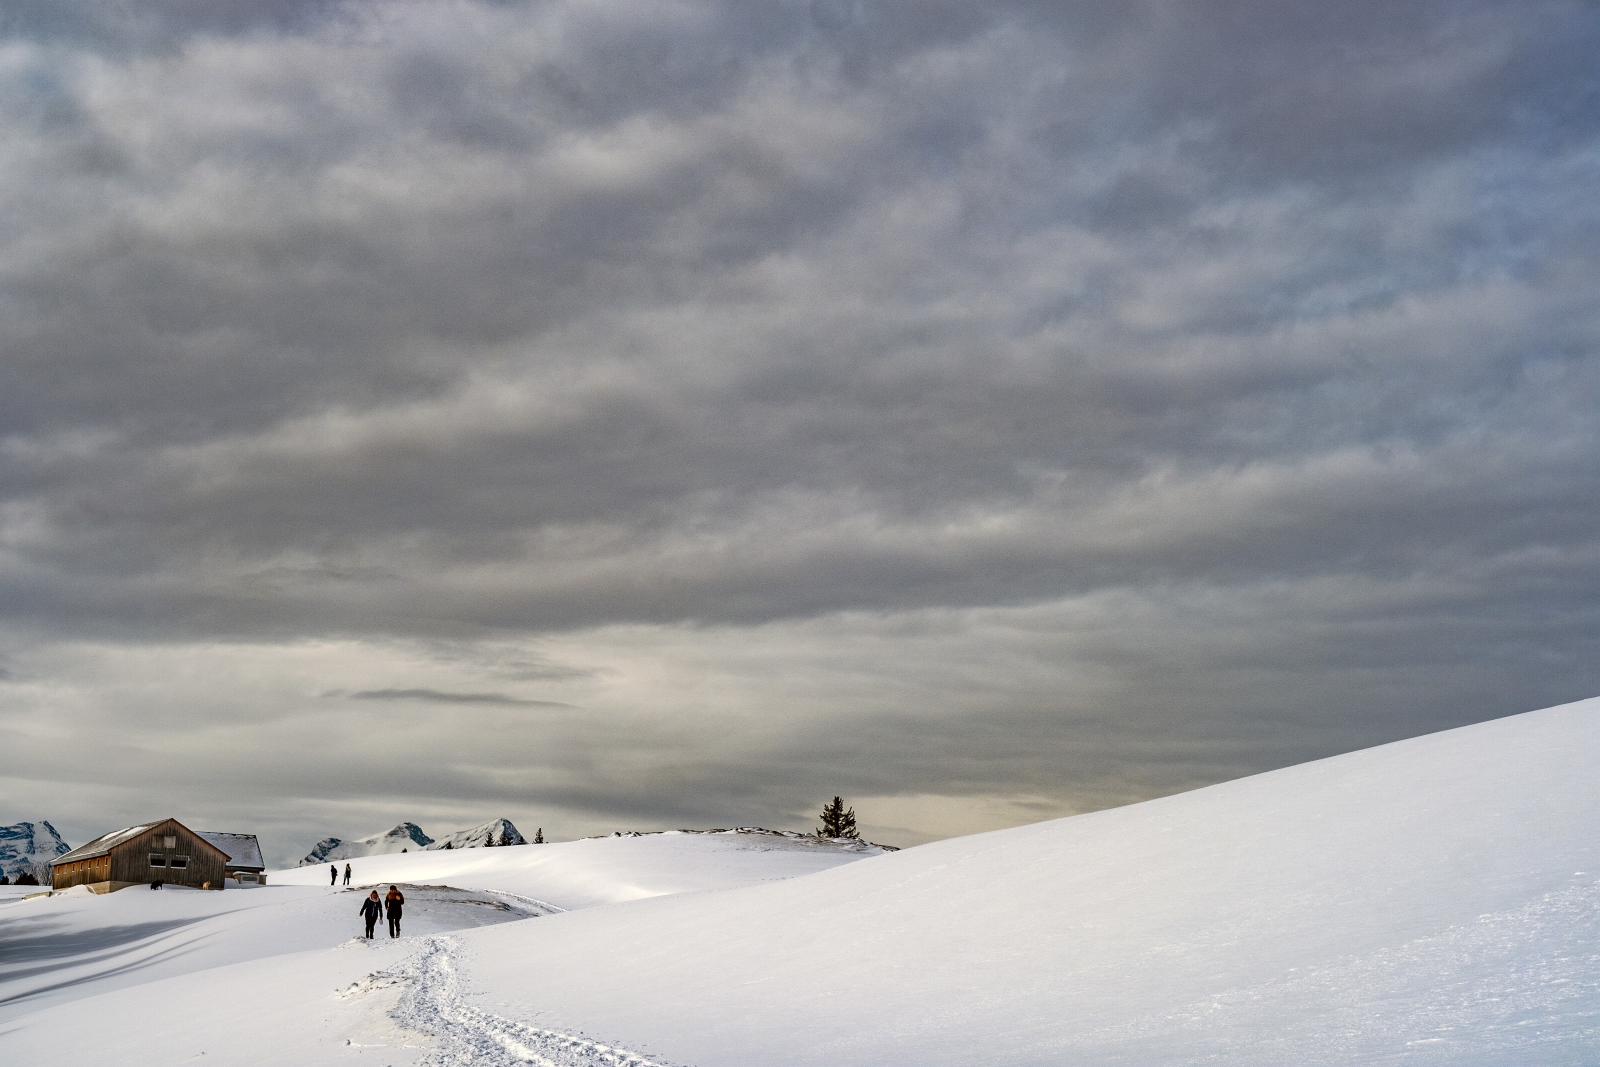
(434, 696)
(529, 338)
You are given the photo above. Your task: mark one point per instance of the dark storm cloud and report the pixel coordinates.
(1270, 325)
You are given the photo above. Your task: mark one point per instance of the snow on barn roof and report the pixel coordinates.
(244, 851)
(104, 843)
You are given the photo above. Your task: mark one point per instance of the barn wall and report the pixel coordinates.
(80, 872)
(130, 860)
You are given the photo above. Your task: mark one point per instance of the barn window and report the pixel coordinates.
(180, 861)
(169, 842)
(247, 878)
(157, 861)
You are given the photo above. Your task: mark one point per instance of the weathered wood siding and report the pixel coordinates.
(130, 860)
(81, 872)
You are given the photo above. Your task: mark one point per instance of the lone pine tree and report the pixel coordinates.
(837, 820)
(538, 836)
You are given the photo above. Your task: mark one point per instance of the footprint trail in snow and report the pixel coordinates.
(469, 1037)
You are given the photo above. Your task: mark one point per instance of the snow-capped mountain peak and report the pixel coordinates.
(407, 837)
(25, 844)
(489, 834)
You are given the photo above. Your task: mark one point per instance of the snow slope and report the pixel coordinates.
(1432, 901)
(1428, 902)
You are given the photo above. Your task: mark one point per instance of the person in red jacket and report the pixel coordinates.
(371, 908)
(394, 901)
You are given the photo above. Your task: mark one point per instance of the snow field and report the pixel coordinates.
(75, 944)
(124, 955)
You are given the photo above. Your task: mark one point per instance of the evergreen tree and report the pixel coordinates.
(538, 836)
(3, 879)
(837, 820)
(26, 878)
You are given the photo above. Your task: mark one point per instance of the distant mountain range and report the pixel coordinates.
(27, 844)
(408, 837)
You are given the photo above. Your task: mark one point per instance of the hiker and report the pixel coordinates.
(347, 874)
(371, 908)
(333, 874)
(394, 902)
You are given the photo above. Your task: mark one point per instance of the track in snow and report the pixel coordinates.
(468, 1037)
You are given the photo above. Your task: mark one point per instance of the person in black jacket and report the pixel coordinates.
(333, 874)
(347, 874)
(371, 908)
(394, 902)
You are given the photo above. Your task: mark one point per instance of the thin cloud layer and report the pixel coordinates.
(1228, 376)
(435, 696)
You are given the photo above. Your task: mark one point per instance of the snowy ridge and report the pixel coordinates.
(852, 843)
(432, 1004)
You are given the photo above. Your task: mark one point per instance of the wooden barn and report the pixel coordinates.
(167, 852)
(245, 864)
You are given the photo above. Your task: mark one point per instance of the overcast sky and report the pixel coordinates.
(623, 415)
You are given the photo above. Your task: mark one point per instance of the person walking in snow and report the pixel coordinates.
(394, 901)
(371, 908)
(347, 874)
(333, 874)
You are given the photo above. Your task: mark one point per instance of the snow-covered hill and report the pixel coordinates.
(27, 845)
(407, 837)
(603, 870)
(1434, 901)
(495, 832)
(1430, 902)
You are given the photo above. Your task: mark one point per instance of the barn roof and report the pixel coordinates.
(106, 842)
(243, 850)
